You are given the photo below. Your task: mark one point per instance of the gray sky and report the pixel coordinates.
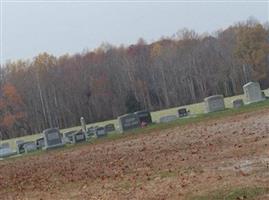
(29, 28)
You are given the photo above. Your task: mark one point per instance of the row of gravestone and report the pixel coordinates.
(52, 138)
(252, 94)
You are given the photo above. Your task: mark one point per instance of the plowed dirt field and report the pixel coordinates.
(176, 163)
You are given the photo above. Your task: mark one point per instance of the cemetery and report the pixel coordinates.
(54, 138)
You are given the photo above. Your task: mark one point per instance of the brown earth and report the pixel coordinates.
(169, 164)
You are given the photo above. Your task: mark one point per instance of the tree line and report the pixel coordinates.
(50, 91)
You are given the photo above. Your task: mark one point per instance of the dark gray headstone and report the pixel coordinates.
(90, 132)
(110, 127)
(237, 103)
(40, 143)
(128, 122)
(78, 136)
(144, 116)
(52, 138)
(168, 118)
(182, 112)
(19, 146)
(100, 132)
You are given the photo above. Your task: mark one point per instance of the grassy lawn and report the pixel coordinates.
(196, 109)
(233, 194)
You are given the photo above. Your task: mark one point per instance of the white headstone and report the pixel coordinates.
(83, 124)
(252, 92)
(214, 103)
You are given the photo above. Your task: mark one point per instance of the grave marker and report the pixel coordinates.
(144, 116)
(78, 136)
(100, 132)
(182, 112)
(68, 137)
(110, 127)
(128, 122)
(40, 143)
(237, 103)
(19, 146)
(214, 103)
(83, 124)
(52, 138)
(252, 92)
(29, 147)
(168, 118)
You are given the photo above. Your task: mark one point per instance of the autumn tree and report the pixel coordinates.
(12, 115)
(252, 49)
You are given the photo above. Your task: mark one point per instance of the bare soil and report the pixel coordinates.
(175, 163)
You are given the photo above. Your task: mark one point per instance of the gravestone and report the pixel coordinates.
(90, 132)
(144, 116)
(128, 122)
(100, 132)
(83, 124)
(182, 112)
(252, 92)
(78, 136)
(110, 128)
(5, 145)
(168, 118)
(68, 136)
(19, 146)
(214, 103)
(6, 152)
(52, 138)
(40, 143)
(29, 147)
(237, 103)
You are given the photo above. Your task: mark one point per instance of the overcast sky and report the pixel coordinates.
(29, 28)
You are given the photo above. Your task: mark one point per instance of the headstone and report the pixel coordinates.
(252, 92)
(214, 103)
(144, 116)
(29, 147)
(128, 122)
(52, 138)
(182, 112)
(5, 145)
(168, 118)
(68, 136)
(78, 136)
(6, 152)
(237, 103)
(83, 124)
(19, 146)
(100, 132)
(110, 127)
(40, 143)
(90, 132)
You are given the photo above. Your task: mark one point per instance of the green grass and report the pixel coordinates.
(196, 109)
(233, 194)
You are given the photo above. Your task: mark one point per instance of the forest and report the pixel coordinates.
(49, 91)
